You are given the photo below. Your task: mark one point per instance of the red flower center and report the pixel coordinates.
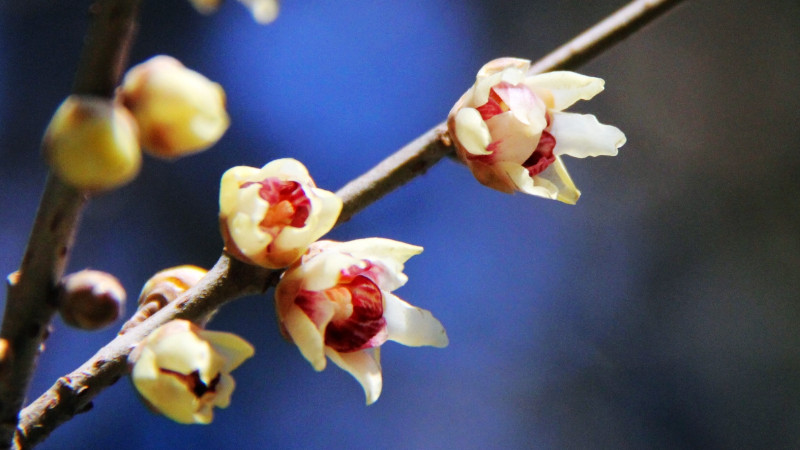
(542, 155)
(288, 204)
(358, 320)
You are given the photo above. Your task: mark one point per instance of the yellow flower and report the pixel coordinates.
(337, 301)
(91, 144)
(179, 111)
(270, 216)
(183, 371)
(511, 129)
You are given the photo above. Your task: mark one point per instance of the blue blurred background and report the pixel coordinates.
(660, 312)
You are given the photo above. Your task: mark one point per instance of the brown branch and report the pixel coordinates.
(230, 279)
(603, 35)
(29, 301)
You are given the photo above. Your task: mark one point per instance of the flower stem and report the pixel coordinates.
(30, 304)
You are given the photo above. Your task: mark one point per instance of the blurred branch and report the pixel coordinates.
(230, 279)
(30, 303)
(603, 35)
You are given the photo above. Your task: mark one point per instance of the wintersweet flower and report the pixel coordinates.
(337, 301)
(270, 216)
(179, 111)
(510, 128)
(183, 371)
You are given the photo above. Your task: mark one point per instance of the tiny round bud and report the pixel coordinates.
(162, 288)
(91, 299)
(91, 144)
(179, 111)
(166, 285)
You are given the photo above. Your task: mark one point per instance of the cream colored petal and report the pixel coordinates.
(224, 390)
(286, 169)
(323, 270)
(365, 366)
(513, 140)
(325, 209)
(581, 135)
(566, 87)
(229, 187)
(484, 84)
(525, 105)
(388, 254)
(556, 174)
(231, 347)
(500, 64)
(183, 353)
(472, 132)
(306, 336)
(379, 248)
(410, 325)
(244, 225)
(523, 181)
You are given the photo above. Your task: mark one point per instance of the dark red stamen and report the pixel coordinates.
(275, 191)
(193, 382)
(366, 321)
(542, 156)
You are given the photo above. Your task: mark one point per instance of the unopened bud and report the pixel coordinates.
(162, 288)
(91, 144)
(179, 111)
(91, 299)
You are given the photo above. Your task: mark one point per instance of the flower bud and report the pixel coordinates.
(183, 371)
(162, 288)
(91, 144)
(179, 111)
(269, 216)
(90, 299)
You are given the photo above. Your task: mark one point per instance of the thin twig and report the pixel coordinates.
(29, 301)
(230, 279)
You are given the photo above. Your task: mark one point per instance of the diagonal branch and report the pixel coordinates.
(230, 279)
(29, 302)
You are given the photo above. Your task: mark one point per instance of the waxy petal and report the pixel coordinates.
(365, 366)
(566, 87)
(472, 132)
(513, 140)
(527, 184)
(389, 255)
(305, 334)
(556, 176)
(231, 347)
(412, 326)
(500, 64)
(581, 135)
(480, 92)
(524, 104)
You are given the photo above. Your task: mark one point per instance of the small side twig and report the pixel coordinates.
(29, 301)
(230, 279)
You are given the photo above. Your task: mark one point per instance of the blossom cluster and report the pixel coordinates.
(335, 300)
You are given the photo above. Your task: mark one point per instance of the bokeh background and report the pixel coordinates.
(660, 312)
